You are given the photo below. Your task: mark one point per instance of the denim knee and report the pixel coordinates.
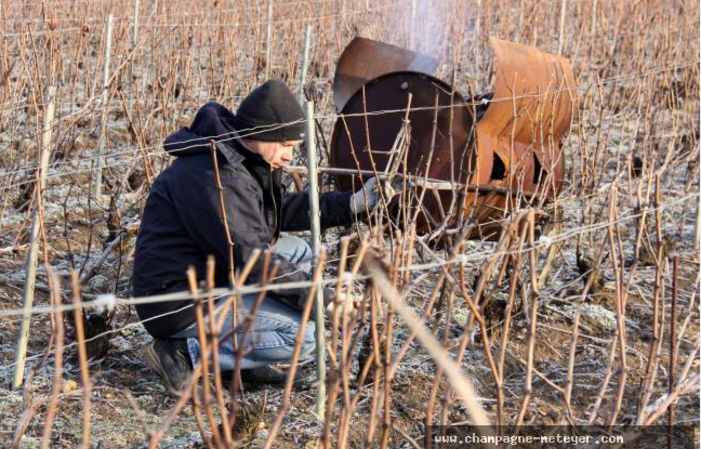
(294, 249)
(309, 342)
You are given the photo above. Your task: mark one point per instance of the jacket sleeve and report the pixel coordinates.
(334, 207)
(205, 224)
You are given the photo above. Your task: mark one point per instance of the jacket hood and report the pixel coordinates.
(212, 122)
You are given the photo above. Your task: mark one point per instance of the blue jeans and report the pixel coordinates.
(275, 325)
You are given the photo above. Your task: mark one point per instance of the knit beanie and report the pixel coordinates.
(264, 114)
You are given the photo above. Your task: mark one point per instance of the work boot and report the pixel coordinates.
(274, 375)
(170, 360)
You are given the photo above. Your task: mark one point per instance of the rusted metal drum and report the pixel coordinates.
(529, 113)
(359, 140)
(515, 145)
(365, 59)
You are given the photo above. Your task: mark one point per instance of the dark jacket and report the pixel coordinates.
(183, 223)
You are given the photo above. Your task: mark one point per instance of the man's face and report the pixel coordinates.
(276, 154)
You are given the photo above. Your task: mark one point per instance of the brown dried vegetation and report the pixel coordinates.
(589, 341)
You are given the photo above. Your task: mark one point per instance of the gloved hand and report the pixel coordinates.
(369, 195)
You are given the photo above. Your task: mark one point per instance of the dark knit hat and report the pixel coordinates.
(266, 108)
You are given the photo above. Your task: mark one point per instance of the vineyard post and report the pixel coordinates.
(268, 40)
(33, 255)
(135, 34)
(305, 62)
(316, 249)
(561, 39)
(97, 182)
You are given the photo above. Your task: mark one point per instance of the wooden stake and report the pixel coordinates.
(268, 41)
(316, 249)
(561, 40)
(97, 182)
(33, 255)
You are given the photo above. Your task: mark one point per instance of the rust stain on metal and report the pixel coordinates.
(366, 59)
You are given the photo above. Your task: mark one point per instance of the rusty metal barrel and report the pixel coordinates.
(441, 144)
(510, 155)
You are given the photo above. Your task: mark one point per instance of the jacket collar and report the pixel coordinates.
(230, 152)
(235, 152)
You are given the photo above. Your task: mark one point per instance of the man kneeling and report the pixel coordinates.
(183, 223)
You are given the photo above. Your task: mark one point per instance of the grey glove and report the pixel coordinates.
(369, 195)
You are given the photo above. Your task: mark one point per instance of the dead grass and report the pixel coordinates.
(637, 64)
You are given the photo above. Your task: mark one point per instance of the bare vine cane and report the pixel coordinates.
(82, 356)
(55, 292)
(620, 311)
(389, 331)
(347, 412)
(236, 383)
(213, 335)
(204, 357)
(194, 396)
(672, 358)
(460, 382)
(232, 279)
(247, 326)
(337, 363)
(285, 401)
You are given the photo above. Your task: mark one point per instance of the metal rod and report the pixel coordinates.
(316, 249)
(33, 255)
(268, 40)
(418, 181)
(305, 62)
(97, 182)
(561, 39)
